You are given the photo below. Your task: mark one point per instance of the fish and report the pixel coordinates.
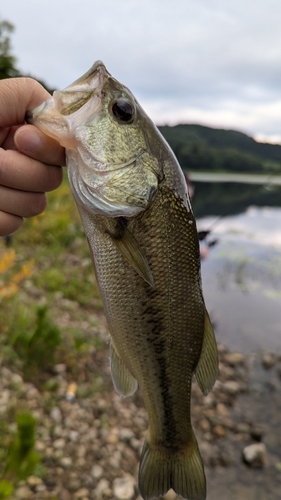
(134, 205)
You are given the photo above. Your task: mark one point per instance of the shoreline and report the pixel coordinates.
(245, 178)
(90, 445)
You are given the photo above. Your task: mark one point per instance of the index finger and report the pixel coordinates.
(17, 95)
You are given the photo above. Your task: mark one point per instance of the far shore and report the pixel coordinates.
(235, 177)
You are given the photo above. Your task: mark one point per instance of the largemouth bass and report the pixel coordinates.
(134, 205)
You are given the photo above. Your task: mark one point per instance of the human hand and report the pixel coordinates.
(29, 160)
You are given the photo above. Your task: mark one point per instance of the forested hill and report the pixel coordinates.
(209, 149)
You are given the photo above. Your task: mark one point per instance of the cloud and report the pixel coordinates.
(211, 61)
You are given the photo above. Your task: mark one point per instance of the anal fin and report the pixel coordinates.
(207, 368)
(124, 382)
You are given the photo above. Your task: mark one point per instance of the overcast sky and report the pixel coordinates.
(214, 62)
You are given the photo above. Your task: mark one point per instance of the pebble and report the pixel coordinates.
(56, 415)
(73, 436)
(34, 481)
(70, 432)
(232, 387)
(112, 439)
(60, 368)
(222, 410)
(59, 443)
(126, 434)
(101, 488)
(255, 455)
(204, 425)
(66, 462)
(234, 358)
(97, 471)
(124, 487)
(268, 361)
(219, 431)
(83, 492)
(23, 493)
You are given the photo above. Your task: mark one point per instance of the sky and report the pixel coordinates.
(213, 62)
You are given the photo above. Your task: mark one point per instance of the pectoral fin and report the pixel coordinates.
(124, 382)
(128, 246)
(207, 368)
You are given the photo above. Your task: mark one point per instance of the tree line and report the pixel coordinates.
(208, 149)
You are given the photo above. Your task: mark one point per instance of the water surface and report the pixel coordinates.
(242, 272)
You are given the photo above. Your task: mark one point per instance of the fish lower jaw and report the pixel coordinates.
(96, 204)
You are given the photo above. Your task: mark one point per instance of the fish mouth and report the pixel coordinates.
(59, 115)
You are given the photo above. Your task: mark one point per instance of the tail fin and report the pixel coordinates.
(184, 472)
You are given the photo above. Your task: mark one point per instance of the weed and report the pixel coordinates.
(19, 459)
(36, 346)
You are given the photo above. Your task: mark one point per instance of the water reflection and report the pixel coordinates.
(222, 198)
(242, 274)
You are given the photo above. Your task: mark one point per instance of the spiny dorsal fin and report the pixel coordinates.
(124, 382)
(207, 368)
(130, 249)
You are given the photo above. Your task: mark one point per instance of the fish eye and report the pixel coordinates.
(123, 111)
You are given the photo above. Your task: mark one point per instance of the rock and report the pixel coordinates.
(222, 410)
(17, 379)
(34, 481)
(204, 425)
(102, 488)
(60, 368)
(66, 462)
(59, 444)
(255, 455)
(112, 439)
(136, 444)
(56, 415)
(268, 361)
(126, 434)
(82, 493)
(23, 493)
(124, 487)
(243, 427)
(232, 387)
(234, 358)
(219, 431)
(73, 435)
(97, 471)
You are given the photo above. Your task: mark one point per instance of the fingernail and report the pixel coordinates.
(27, 140)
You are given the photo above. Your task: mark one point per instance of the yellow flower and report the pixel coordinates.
(7, 260)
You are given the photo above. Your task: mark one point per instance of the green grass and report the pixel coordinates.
(50, 311)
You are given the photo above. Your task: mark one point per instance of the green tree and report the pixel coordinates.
(7, 60)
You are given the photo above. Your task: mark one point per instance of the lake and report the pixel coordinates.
(241, 274)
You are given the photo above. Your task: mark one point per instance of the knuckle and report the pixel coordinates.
(37, 204)
(55, 177)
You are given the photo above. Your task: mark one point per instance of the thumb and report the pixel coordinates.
(32, 142)
(17, 95)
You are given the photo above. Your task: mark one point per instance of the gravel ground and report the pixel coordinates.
(90, 439)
